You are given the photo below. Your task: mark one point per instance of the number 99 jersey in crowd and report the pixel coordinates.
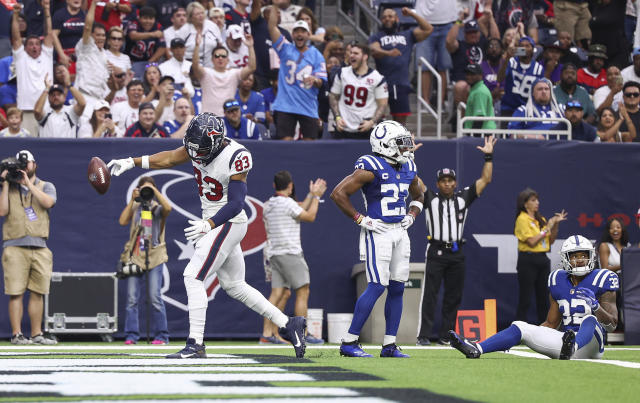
(385, 196)
(573, 309)
(213, 178)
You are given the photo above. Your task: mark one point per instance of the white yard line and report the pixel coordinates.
(624, 364)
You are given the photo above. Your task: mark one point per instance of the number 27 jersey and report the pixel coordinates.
(213, 178)
(385, 196)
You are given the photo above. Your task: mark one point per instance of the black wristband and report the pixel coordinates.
(488, 157)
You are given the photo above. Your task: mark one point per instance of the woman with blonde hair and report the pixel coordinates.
(197, 22)
(115, 43)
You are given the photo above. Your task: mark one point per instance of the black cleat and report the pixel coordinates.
(463, 345)
(191, 350)
(294, 332)
(568, 345)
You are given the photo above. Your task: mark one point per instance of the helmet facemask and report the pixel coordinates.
(204, 138)
(392, 141)
(574, 265)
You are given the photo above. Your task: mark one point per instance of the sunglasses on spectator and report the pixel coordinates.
(116, 38)
(220, 56)
(632, 94)
(119, 75)
(151, 65)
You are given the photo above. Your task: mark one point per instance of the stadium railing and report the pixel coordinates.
(360, 9)
(422, 103)
(562, 134)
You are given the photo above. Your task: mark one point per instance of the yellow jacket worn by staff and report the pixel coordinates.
(527, 227)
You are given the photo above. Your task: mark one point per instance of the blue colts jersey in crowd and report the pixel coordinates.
(385, 196)
(574, 310)
(518, 80)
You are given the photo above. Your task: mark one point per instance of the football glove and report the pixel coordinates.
(118, 167)
(589, 297)
(407, 221)
(197, 230)
(374, 225)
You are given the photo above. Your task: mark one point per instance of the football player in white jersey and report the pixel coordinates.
(582, 306)
(220, 166)
(358, 96)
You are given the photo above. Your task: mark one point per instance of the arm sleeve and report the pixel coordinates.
(237, 192)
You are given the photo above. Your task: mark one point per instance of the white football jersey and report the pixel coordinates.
(239, 59)
(358, 95)
(213, 179)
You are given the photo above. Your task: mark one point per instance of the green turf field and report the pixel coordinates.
(246, 371)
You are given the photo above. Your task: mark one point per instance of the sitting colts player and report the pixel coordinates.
(220, 166)
(582, 298)
(385, 178)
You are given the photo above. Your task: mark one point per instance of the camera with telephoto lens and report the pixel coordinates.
(13, 166)
(125, 270)
(146, 194)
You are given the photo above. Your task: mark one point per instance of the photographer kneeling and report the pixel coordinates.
(149, 211)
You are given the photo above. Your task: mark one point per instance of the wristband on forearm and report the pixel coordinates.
(358, 218)
(488, 157)
(144, 162)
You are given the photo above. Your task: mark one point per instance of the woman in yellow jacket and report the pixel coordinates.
(535, 235)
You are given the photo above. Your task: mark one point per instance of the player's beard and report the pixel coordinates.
(392, 29)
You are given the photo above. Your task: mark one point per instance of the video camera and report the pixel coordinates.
(13, 166)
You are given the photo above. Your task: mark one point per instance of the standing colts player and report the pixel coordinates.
(220, 166)
(583, 305)
(385, 178)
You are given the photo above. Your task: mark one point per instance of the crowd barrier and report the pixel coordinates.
(591, 181)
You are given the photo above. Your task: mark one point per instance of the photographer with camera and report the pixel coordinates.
(27, 263)
(144, 253)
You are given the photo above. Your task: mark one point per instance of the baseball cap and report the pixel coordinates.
(551, 44)
(101, 105)
(574, 104)
(528, 39)
(473, 68)
(597, 50)
(235, 31)
(444, 172)
(29, 155)
(471, 26)
(230, 104)
(146, 105)
(177, 43)
(56, 87)
(636, 52)
(301, 24)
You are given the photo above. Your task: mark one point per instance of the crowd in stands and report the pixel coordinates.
(144, 68)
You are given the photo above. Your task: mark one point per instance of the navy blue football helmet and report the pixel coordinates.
(204, 137)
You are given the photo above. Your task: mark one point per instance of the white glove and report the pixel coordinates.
(197, 230)
(407, 221)
(374, 225)
(118, 167)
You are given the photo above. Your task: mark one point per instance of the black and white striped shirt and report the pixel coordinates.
(446, 217)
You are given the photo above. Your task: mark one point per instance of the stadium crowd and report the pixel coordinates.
(143, 68)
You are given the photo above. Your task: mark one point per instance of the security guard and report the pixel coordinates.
(446, 213)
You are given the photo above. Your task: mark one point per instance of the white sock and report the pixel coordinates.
(388, 340)
(197, 302)
(350, 338)
(254, 300)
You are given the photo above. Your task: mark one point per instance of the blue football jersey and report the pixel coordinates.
(292, 96)
(385, 197)
(574, 309)
(518, 81)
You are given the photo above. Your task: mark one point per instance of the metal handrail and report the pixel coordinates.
(358, 7)
(504, 132)
(421, 102)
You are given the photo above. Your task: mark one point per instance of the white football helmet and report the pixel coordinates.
(391, 140)
(577, 243)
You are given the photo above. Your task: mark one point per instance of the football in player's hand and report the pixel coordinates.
(99, 176)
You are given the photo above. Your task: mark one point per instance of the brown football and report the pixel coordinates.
(99, 176)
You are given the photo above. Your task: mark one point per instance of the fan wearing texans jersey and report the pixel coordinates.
(385, 178)
(583, 307)
(220, 167)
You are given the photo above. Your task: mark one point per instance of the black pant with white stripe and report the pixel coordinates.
(533, 272)
(446, 266)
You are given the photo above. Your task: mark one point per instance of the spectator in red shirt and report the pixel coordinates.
(146, 125)
(594, 75)
(110, 12)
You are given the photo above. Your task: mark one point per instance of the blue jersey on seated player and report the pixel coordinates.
(583, 307)
(386, 178)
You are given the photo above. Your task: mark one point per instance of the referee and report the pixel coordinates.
(446, 213)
